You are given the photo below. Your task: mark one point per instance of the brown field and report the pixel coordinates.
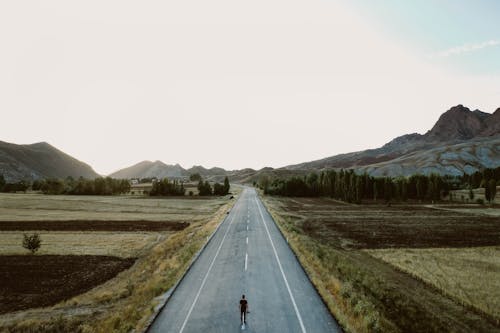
(33, 281)
(367, 294)
(92, 225)
(162, 233)
(378, 226)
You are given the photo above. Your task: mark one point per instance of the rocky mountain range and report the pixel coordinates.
(461, 141)
(39, 160)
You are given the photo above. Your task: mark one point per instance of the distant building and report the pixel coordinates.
(140, 189)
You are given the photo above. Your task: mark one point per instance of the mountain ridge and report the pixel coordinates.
(460, 141)
(457, 125)
(39, 160)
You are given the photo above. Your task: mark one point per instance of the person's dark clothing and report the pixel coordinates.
(243, 309)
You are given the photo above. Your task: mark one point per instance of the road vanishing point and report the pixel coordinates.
(247, 255)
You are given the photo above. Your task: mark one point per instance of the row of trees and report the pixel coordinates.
(165, 187)
(110, 186)
(348, 186)
(20, 186)
(82, 186)
(204, 188)
(480, 178)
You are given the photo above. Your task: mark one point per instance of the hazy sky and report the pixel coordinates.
(239, 83)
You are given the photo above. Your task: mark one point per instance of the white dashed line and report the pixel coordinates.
(246, 261)
(247, 240)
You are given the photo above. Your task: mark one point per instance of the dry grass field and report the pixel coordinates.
(158, 235)
(471, 275)
(37, 207)
(118, 244)
(335, 241)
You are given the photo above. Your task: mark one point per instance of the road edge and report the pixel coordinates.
(300, 264)
(164, 298)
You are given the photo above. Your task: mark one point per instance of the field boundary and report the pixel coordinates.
(467, 305)
(163, 299)
(300, 264)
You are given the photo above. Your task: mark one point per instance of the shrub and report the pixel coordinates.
(32, 243)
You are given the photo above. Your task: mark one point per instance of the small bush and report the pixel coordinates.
(32, 243)
(480, 201)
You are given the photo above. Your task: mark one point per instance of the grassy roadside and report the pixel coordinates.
(125, 304)
(364, 293)
(317, 259)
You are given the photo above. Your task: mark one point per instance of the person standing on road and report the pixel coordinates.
(243, 309)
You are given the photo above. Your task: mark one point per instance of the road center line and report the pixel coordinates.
(206, 276)
(246, 261)
(299, 317)
(247, 240)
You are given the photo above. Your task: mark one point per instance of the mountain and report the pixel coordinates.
(457, 159)
(39, 160)
(158, 169)
(469, 137)
(459, 123)
(207, 172)
(148, 169)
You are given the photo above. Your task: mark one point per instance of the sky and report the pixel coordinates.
(239, 84)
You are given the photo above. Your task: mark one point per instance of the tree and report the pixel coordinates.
(32, 243)
(204, 188)
(2, 182)
(226, 185)
(492, 185)
(219, 189)
(471, 194)
(195, 177)
(487, 190)
(167, 188)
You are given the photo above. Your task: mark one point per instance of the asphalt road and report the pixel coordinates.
(247, 255)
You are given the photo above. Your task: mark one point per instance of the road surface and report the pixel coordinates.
(247, 256)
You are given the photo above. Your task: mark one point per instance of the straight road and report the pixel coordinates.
(247, 255)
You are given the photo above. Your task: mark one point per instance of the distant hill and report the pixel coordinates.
(158, 169)
(148, 169)
(39, 160)
(461, 141)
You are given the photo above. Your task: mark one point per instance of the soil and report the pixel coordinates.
(29, 281)
(92, 225)
(381, 226)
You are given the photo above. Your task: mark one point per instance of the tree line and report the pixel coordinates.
(348, 186)
(204, 188)
(80, 186)
(109, 186)
(165, 187)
